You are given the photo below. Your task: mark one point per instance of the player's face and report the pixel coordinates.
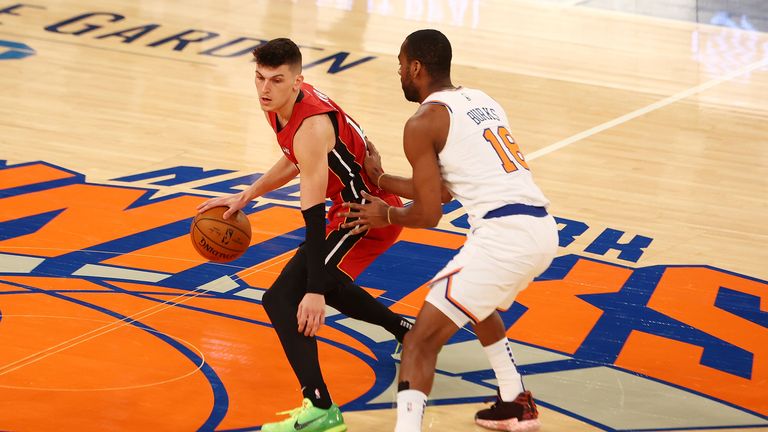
(276, 86)
(410, 91)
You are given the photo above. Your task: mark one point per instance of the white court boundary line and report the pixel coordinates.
(645, 110)
(72, 342)
(184, 342)
(115, 325)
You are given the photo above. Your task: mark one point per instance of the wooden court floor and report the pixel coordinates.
(117, 118)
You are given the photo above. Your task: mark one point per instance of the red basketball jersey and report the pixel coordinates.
(346, 176)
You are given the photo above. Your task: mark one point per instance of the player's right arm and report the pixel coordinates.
(401, 186)
(424, 136)
(281, 173)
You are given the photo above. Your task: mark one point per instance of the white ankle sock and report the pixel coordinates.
(503, 364)
(410, 410)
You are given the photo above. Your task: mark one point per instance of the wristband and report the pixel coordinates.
(378, 180)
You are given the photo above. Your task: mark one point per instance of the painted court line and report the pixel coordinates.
(131, 387)
(645, 110)
(77, 340)
(275, 261)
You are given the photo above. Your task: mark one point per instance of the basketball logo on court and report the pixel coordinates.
(116, 261)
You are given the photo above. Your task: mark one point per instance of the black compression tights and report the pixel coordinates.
(281, 302)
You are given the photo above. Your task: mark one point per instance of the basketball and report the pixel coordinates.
(218, 239)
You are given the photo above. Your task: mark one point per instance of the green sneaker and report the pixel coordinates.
(398, 351)
(307, 418)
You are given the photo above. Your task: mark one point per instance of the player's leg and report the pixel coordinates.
(355, 302)
(514, 408)
(525, 246)
(317, 413)
(281, 302)
(493, 338)
(348, 255)
(417, 365)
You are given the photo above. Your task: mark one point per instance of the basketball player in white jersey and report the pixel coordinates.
(459, 138)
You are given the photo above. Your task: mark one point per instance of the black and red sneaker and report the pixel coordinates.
(520, 415)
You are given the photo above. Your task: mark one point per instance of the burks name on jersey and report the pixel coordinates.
(482, 114)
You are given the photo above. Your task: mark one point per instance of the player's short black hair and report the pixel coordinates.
(432, 49)
(278, 52)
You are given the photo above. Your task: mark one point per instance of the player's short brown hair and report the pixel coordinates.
(278, 52)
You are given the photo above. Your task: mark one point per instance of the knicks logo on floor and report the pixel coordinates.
(104, 301)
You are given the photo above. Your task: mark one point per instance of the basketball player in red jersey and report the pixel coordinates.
(327, 149)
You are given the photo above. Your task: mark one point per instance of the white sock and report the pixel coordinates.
(503, 364)
(410, 410)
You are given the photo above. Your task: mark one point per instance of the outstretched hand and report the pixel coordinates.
(235, 202)
(370, 215)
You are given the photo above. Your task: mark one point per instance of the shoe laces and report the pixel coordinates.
(305, 405)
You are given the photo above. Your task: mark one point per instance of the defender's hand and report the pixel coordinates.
(370, 215)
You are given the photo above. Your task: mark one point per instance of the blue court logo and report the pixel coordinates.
(14, 50)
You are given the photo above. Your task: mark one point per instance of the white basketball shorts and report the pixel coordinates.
(499, 259)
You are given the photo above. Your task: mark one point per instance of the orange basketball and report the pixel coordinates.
(218, 239)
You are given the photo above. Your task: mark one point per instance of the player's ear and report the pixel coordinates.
(416, 67)
(298, 82)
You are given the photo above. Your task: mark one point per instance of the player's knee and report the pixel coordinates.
(283, 296)
(415, 350)
(422, 341)
(273, 301)
(268, 301)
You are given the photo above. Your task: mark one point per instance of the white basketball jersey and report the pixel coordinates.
(481, 164)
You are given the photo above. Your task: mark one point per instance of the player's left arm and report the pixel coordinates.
(311, 143)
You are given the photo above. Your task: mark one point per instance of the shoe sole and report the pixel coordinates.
(512, 425)
(339, 428)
